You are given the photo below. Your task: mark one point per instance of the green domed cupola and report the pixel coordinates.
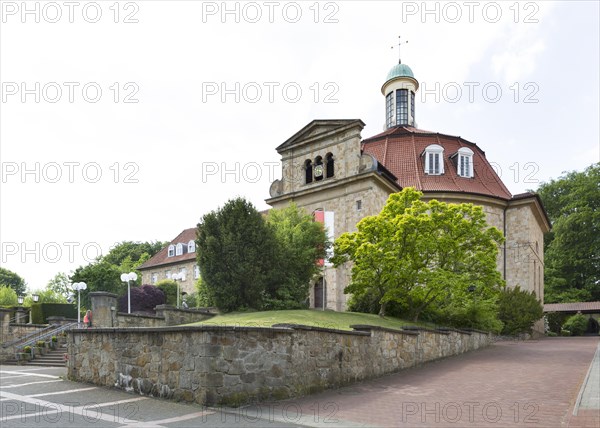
(399, 90)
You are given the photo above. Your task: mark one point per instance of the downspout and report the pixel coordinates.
(504, 231)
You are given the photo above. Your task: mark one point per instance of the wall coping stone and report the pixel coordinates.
(476, 330)
(437, 330)
(177, 329)
(102, 293)
(362, 327)
(24, 324)
(125, 314)
(323, 329)
(188, 310)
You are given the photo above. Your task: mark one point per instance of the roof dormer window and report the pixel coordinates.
(179, 249)
(191, 247)
(464, 163)
(434, 159)
(171, 251)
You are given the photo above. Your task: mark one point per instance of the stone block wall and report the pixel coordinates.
(236, 365)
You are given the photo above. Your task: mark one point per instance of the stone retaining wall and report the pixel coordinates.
(236, 365)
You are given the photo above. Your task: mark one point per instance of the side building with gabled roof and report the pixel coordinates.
(179, 257)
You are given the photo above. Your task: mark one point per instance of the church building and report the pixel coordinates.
(332, 172)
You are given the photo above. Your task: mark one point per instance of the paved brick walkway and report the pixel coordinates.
(508, 384)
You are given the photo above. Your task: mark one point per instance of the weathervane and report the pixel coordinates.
(400, 43)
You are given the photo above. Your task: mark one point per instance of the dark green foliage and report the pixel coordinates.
(300, 243)
(12, 280)
(202, 295)
(143, 299)
(235, 253)
(41, 311)
(104, 274)
(576, 325)
(555, 321)
(518, 310)
(572, 248)
(169, 288)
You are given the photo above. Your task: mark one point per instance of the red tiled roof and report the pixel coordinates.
(573, 307)
(161, 258)
(399, 149)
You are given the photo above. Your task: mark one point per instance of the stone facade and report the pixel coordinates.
(236, 365)
(163, 272)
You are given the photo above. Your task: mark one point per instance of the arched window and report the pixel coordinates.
(434, 159)
(308, 170)
(171, 251)
(329, 167)
(191, 247)
(319, 168)
(465, 162)
(179, 249)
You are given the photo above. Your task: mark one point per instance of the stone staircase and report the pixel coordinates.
(53, 358)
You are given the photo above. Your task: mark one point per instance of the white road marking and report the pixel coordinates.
(83, 411)
(10, 377)
(30, 383)
(22, 372)
(61, 392)
(157, 424)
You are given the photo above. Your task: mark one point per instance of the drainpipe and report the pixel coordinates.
(504, 231)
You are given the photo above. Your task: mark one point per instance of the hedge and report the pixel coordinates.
(41, 311)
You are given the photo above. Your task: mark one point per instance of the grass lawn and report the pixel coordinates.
(327, 319)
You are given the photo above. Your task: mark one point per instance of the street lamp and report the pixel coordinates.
(20, 299)
(35, 297)
(127, 277)
(78, 286)
(177, 277)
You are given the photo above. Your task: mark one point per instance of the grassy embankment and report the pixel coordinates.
(311, 317)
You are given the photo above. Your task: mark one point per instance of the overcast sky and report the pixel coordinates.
(132, 130)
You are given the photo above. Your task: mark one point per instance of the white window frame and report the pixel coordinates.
(191, 247)
(168, 274)
(154, 278)
(196, 272)
(179, 249)
(465, 155)
(171, 251)
(431, 153)
(183, 273)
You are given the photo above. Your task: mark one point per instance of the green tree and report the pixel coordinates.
(47, 295)
(60, 284)
(169, 287)
(300, 244)
(572, 248)
(418, 254)
(12, 280)
(519, 310)
(203, 297)
(8, 296)
(104, 274)
(235, 252)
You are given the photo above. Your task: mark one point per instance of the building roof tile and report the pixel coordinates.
(162, 257)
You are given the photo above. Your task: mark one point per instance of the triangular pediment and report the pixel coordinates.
(319, 129)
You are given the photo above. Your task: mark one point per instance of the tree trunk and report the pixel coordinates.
(382, 310)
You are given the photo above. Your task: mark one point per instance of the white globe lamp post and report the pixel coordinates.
(78, 286)
(127, 277)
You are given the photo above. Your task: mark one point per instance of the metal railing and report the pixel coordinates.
(53, 332)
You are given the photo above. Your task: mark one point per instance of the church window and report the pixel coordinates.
(402, 107)
(171, 251)
(434, 162)
(179, 249)
(318, 169)
(329, 165)
(389, 109)
(308, 169)
(465, 162)
(358, 205)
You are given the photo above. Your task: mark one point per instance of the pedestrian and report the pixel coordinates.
(87, 319)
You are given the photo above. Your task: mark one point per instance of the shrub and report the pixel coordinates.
(203, 297)
(169, 287)
(143, 299)
(576, 325)
(27, 349)
(555, 321)
(40, 344)
(518, 310)
(8, 296)
(551, 334)
(54, 339)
